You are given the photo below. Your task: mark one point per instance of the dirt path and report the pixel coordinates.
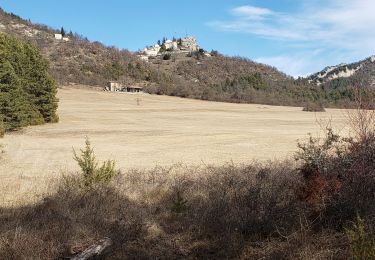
(160, 131)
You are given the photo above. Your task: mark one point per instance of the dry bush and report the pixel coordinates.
(313, 107)
(178, 212)
(339, 173)
(66, 221)
(361, 119)
(361, 242)
(207, 212)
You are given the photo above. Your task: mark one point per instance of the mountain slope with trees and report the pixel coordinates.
(361, 73)
(193, 75)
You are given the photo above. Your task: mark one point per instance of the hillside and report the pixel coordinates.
(189, 75)
(354, 74)
(193, 74)
(77, 60)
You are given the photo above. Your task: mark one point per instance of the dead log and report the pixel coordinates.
(93, 250)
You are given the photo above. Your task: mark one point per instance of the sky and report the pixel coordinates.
(299, 37)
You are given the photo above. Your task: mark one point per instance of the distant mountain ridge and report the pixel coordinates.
(363, 71)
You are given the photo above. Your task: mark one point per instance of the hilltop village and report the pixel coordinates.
(166, 54)
(167, 47)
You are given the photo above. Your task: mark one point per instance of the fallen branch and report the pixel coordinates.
(93, 250)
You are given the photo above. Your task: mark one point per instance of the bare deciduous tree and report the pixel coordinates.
(361, 119)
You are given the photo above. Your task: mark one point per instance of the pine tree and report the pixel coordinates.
(27, 92)
(39, 85)
(15, 110)
(62, 31)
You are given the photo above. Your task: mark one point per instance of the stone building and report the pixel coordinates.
(115, 86)
(171, 45)
(152, 51)
(189, 43)
(58, 36)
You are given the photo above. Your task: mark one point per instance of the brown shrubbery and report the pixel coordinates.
(313, 107)
(270, 210)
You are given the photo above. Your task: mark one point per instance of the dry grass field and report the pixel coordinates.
(141, 131)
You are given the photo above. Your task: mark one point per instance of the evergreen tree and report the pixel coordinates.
(13, 106)
(62, 31)
(27, 92)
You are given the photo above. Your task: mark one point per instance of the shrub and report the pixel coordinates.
(214, 53)
(313, 107)
(91, 173)
(338, 173)
(361, 119)
(315, 154)
(167, 56)
(179, 204)
(361, 243)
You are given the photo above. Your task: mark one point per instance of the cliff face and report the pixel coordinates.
(357, 73)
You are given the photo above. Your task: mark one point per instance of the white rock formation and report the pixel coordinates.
(152, 51)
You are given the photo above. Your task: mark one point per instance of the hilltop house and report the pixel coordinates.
(189, 43)
(152, 51)
(170, 45)
(184, 45)
(59, 36)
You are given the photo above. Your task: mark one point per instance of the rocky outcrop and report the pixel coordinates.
(342, 71)
(182, 45)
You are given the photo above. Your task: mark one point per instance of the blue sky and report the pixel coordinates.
(296, 36)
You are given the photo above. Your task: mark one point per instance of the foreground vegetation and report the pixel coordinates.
(27, 91)
(320, 207)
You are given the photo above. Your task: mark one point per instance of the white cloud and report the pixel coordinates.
(337, 20)
(295, 64)
(343, 25)
(251, 12)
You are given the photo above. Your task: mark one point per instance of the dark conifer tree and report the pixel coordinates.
(27, 91)
(62, 31)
